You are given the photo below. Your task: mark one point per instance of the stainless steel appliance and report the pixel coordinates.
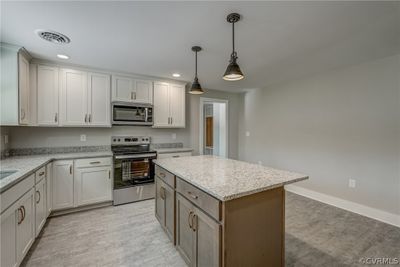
(124, 113)
(133, 168)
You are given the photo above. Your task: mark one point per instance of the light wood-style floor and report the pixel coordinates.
(129, 235)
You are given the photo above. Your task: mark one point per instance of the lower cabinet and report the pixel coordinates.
(63, 184)
(165, 207)
(198, 236)
(40, 205)
(8, 237)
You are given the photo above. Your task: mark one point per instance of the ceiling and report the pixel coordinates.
(275, 41)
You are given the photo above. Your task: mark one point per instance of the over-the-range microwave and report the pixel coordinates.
(124, 113)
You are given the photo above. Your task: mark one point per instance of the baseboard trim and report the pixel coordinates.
(372, 213)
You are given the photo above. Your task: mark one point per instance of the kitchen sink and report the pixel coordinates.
(4, 174)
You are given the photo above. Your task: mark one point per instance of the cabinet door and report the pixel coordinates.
(169, 194)
(99, 99)
(8, 228)
(47, 95)
(49, 177)
(40, 206)
(26, 225)
(92, 185)
(161, 105)
(23, 84)
(160, 202)
(208, 240)
(122, 88)
(63, 184)
(73, 97)
(185, 236)
(177, 105)
(143, 91)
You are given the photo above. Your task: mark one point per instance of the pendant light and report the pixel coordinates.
(196, 87)
(233, 72)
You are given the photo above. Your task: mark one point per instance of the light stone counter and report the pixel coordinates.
(227, 179)
(25, 165)
(173, 150)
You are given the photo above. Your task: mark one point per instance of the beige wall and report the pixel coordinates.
(334, 126)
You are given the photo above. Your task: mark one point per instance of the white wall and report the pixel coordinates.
(334, 126)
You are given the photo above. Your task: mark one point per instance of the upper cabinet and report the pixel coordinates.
(14, 85)
(47, 95)
(128, 89)
(99, 107)
(169, 105)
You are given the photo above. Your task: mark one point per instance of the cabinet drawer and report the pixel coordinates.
(166, 176)
(93, 162)
(203, 200)
(40, 174)
(16, 191)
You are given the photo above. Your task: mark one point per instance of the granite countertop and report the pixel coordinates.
(227, 179)
(173, 150)
(25, 165)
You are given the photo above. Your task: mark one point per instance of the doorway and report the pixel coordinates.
(213, 127)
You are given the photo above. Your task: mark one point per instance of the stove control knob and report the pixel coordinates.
(119, 139)
(114, 139)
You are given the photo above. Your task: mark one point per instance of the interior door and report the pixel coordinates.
(122, 88)
(99, 99)
(185, 236)
(23, 84)
(47, 95)
(143, 91)
(73, 97)
(161, 105)
(177, 105)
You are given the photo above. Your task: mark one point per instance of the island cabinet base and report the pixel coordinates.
(254, 229)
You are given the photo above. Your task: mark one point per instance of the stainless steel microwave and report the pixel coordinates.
(132, 114)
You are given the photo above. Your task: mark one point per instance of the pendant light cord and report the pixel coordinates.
(233, 55)
(196, 66)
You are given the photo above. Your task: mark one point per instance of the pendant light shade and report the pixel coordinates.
(196, 87)
(233, 72)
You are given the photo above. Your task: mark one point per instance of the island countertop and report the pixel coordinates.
(227, 179)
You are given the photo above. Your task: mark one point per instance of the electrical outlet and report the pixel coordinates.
(247, 133)
(173, 136)
(83, 137)
(352, 183)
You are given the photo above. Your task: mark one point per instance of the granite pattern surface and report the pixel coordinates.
(56, 150)
(227, 179)
(173, 150)
(25, 165)
(166, 145)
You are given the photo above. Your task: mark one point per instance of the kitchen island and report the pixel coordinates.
(223, 212)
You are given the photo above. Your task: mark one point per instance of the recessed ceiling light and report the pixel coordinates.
(62, 56)
(176, 75)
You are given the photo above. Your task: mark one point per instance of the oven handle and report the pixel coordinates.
(136, 156)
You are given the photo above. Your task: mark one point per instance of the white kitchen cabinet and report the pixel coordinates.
(128, 89)
(23, 84)
(73, 110)
(93, 181)
(63, 184)
(40, 205)
(25, 224)
(169, 105)
(47, 95)
(49, 176)
(99, 103)
(8, 236)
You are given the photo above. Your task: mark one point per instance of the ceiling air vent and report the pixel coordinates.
(52, 36)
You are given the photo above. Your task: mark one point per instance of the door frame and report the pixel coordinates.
(204, 100)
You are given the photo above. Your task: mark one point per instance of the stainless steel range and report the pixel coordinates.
(133, 168)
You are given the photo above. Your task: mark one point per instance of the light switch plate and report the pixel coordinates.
(247, 133)
(83, 137)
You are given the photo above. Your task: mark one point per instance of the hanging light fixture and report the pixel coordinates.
(233, 72)
(196, 87)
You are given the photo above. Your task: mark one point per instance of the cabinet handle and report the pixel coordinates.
(162, 175)
(22, 114)
(41, 173)
(95, 162)
(85, 118)
(194, 222)
(190, 219)
(131, 95)
(176, 156)
(70, 169)
(192, 195)
(90, 117)
(109, 174)
(162, 192)
(171, 120)
(38, 193)
(22, 215)
(56, 117)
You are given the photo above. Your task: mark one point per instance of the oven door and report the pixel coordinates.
(130, 170)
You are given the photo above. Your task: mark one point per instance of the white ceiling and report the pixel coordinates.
(276, 41)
